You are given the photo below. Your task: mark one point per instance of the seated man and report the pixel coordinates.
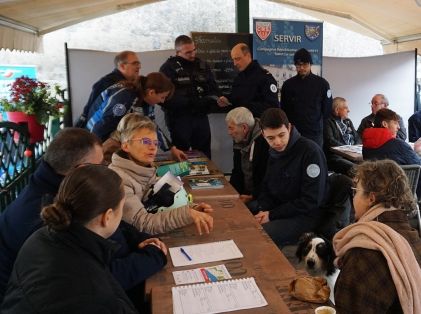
(379, 101)
(72, 147)
(295, 184)
(414, 127)
(251, 152)
(339, 130)
(381, 142)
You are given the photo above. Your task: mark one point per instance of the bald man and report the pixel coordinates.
(254, 87)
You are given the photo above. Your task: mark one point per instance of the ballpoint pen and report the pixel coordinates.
(185, 254)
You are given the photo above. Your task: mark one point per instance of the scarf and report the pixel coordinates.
(403, 266)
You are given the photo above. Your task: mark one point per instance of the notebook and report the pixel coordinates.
(217, 297)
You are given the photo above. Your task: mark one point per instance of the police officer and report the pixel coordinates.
(254, 87)
(195, 91)
(306, 98)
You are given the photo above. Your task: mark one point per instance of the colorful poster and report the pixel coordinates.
(8, 73)
(275, 42)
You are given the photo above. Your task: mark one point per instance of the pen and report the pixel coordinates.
(185, 254)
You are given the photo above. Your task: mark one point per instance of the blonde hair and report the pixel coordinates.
(130, 124)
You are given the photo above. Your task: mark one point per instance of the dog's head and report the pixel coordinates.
(317, 254)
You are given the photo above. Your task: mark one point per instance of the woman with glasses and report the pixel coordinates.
(380, 255)
(64, 266)
(134, 163)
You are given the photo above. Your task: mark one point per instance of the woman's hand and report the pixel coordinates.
(203, 221)
(203, 207)
(178, 155)
(156, 242)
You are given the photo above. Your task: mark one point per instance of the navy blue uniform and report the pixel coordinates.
(110, 79)
(307, 102)
(254, 88)
(414, 127)
(186, 112)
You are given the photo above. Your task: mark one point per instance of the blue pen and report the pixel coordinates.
(185, 254)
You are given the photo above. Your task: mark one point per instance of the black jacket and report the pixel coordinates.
(296, 180)
(65, 272)
(254, 88)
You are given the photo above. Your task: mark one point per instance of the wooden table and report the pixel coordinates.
(350, 152)
(205, 195)
(262, 260)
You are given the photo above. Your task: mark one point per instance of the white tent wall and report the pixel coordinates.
(356, 79)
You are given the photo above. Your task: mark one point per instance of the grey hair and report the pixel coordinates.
(337, 102)
(130, 124)
(122, 57)
(240, 115)
(383, 97)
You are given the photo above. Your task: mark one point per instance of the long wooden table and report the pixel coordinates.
(350, 152)
(262, 260)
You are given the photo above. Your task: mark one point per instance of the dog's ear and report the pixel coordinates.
(303, 241)
(330, 257)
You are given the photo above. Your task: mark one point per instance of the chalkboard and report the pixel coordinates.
(215, 49)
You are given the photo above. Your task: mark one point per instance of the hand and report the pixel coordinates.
(202, 220)
(203, 207)
(156, 242)
(223, 101)
(262, 217)
(245, 198)
(179, 155)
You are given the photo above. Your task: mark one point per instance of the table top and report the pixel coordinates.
(350, 152)
(262, 260)
(205, 195)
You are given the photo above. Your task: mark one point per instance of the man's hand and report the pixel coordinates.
(245, 198)
(156, 242)
(203, 207)
(262, 217)
(223, 101)
(178, 155)
(202, 221)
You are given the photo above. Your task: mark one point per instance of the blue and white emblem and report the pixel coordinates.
(119, 110)
(313, 171)
(312, 32)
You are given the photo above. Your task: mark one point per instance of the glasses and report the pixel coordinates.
(354, 191)
(146, 141)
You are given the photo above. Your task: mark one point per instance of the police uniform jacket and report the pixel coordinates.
(65, 272)
(414, 127)
(255, 88)
(295, 183)
(307, 102)
(194, 83)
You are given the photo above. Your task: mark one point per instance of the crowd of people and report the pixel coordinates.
(85, 218)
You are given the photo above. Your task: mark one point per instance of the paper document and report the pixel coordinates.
(204, 253)
(205, 274)
(217, 297)
(358, 149)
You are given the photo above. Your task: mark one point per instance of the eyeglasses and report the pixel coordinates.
(146, 141)
(354, 191)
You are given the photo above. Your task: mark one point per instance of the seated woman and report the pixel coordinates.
(134, 164)
(126, 96)
(339, 130)
(380, 255)
(64, 267)
(380, 142)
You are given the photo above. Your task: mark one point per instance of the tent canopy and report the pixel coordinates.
(396, 23)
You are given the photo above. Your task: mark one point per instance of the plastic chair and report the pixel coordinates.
(413, 173)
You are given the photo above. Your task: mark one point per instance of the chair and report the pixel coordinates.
(413, 173)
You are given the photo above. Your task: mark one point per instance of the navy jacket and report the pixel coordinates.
(65, 272)
(296, 180)
(22, 218)
(254, 88)
(414, 127)
(307, 102)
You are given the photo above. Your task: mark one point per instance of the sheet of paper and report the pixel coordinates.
(205, 253)
(350, 148)
(217, 297)
(205, 274)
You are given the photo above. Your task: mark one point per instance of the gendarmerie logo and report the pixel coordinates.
(263, 29)
(312, 32)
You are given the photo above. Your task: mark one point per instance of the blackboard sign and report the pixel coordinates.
(215, 49)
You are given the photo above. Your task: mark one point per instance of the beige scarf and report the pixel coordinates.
(403, 266)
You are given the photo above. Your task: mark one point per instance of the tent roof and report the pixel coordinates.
(396, 23)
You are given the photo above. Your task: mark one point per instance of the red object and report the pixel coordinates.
(36, 130)
(27, 152)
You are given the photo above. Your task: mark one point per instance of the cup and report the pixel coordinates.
(325, 310)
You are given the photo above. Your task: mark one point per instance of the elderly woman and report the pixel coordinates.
(134, 164)
(380, 255)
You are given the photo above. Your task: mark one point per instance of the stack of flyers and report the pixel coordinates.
(205, 274)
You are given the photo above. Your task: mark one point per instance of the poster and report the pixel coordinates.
(275, 42)
(8, 73)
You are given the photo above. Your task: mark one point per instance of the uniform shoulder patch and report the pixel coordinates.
(273, 88)
(119, 110)
(329, 93)
(313, 171)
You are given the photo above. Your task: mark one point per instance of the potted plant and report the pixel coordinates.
(34, 102)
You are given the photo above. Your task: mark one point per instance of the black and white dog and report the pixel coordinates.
(317, 254)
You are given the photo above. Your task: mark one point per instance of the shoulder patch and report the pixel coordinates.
(313, 171)
(119, 110)
(329, 93)
(273, 88)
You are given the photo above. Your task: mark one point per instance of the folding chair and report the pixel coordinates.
(413, 173)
